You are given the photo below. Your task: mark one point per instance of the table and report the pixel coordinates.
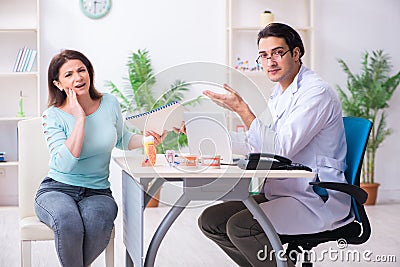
(226, 183)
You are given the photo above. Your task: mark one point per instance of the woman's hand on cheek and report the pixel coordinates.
(76, 108)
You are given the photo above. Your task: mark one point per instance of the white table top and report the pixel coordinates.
(132, 166)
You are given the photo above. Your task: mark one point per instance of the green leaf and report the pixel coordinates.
(368, 94)
(138, 95)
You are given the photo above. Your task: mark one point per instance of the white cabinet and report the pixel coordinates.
(19, 27)
(243, 25)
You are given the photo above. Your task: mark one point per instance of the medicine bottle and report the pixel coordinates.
(150, 149)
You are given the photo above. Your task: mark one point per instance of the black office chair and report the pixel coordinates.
(357, 232)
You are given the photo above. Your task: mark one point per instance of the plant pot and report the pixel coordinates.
(372, 191)
(153, 203)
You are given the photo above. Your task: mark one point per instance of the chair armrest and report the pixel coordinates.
(359, 194)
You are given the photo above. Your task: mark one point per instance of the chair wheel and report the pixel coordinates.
(307, 264)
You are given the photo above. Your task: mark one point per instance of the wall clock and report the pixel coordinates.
(95, 9)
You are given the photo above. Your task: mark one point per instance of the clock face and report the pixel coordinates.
(95, 8)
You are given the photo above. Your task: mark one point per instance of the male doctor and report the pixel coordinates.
(307, 127)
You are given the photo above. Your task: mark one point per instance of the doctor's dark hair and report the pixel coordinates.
(286, 32)
(56, 96)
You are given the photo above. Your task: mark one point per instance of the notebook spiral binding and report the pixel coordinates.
(151, 111)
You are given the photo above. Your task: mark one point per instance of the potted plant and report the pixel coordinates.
(138, 97)
(368, 95)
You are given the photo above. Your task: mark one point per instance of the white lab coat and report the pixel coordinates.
(306, 127)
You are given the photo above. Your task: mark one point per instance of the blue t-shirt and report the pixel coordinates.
(104, 130)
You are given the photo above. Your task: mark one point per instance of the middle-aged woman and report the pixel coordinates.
(81, 127)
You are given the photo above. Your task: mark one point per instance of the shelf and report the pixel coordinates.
(253, 73)
(243, 25)
(257, 29)
(18, 74)
(7, 30)
(244, 29)
(241, 32)
(8, 163)
(19, 28)
(14, 118)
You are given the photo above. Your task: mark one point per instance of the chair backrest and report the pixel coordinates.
(357, 132)
(33, 163)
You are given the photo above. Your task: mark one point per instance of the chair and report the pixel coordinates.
(357, 132)
(33, 167)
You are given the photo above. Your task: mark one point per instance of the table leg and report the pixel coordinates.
(268, 228)
(162, 229)
(128, 259)
(150, 192)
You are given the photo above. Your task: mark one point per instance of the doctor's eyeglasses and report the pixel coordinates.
(276, 56)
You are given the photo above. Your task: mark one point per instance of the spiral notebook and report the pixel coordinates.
(159, 119)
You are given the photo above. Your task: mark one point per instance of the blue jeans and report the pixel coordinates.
(82, 220)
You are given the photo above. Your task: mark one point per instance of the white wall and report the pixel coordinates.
(345, 29)
(173, 31)
(178, 31)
